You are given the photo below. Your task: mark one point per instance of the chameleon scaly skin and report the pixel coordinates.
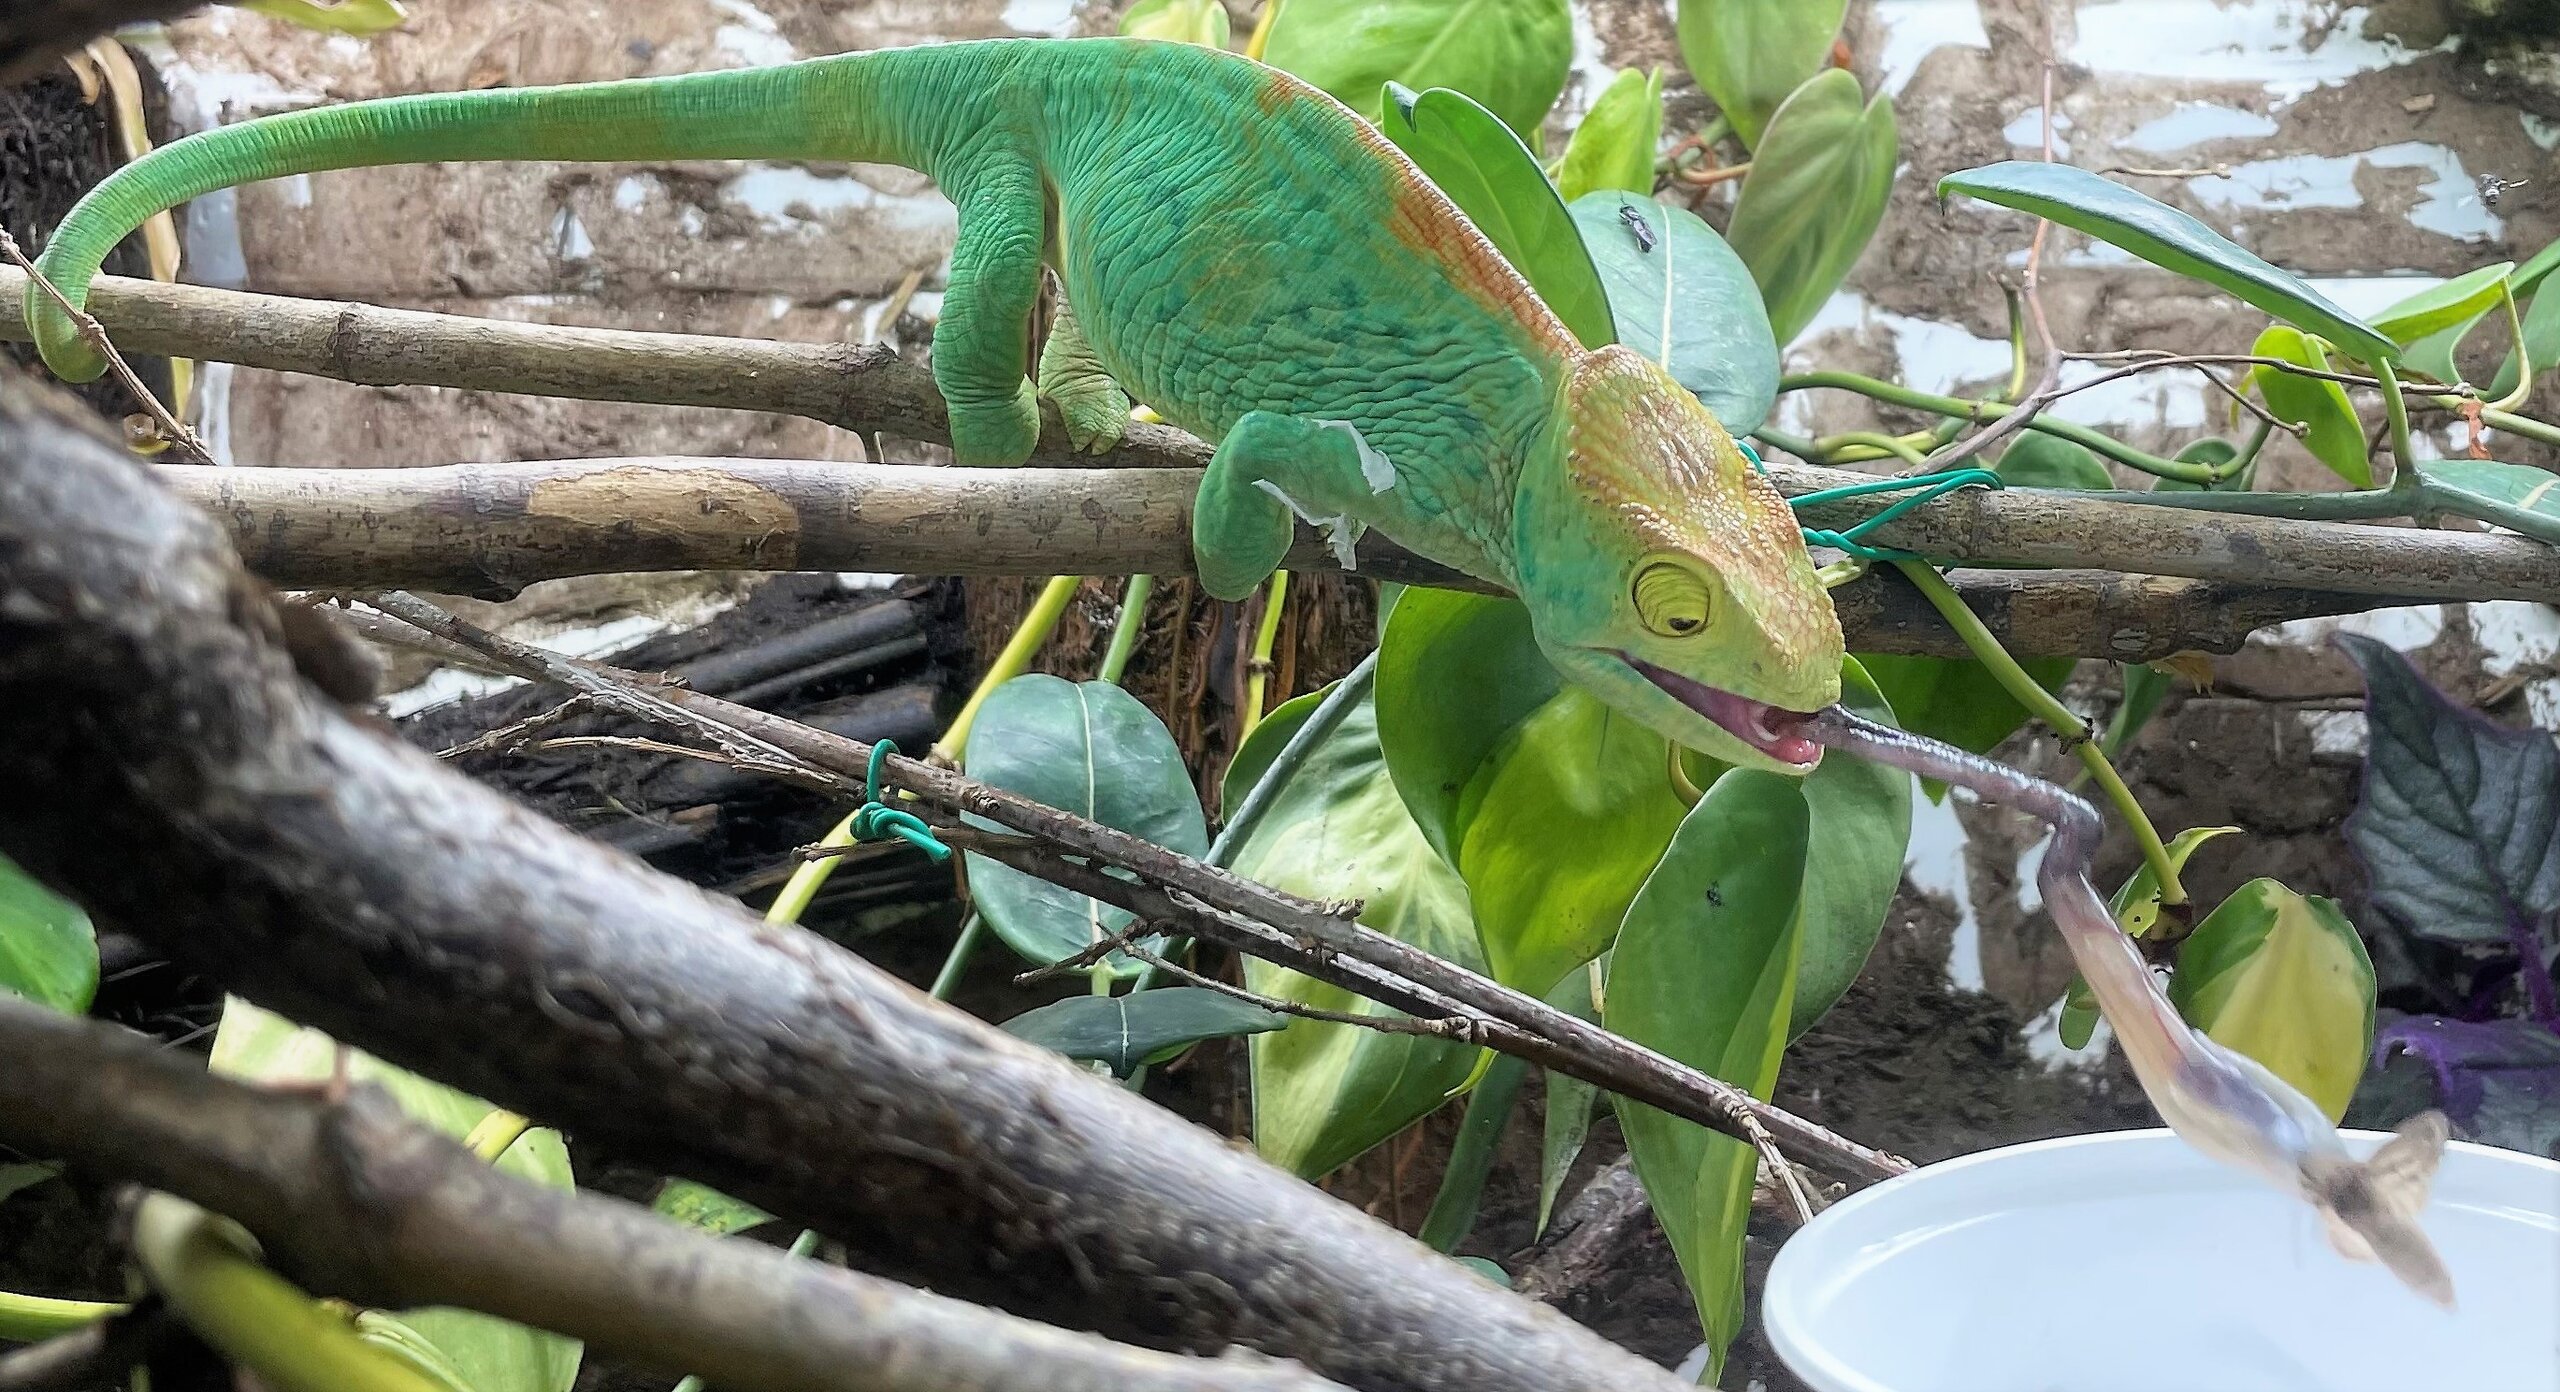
(2222, 1102)
(1249, 258)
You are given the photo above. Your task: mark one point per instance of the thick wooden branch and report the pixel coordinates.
(494, 528)
(357, 1201)
(200, 797)
(865, 389)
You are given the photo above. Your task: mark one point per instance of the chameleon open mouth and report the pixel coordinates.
(1759, 724)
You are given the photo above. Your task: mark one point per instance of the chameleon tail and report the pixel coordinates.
(834, 108)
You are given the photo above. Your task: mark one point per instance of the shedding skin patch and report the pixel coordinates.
(1341, 532)
(1376, 470)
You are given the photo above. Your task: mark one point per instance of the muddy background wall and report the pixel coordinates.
(2372, 148)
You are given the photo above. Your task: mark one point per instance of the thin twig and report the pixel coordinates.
(1458, 1027)
(2214, 171)
(1092, 954)
(508, 736)
(786, 770)
(94, 334)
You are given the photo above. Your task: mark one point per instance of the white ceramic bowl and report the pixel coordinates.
(2126, 1262)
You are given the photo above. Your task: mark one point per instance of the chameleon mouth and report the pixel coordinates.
(1762, 726)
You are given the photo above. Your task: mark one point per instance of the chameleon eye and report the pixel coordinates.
(1671, 600)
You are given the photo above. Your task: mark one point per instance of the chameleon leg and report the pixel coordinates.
(1095, 408)
(1241, 531)
(980, 347)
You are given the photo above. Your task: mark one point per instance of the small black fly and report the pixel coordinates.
(1637, 226)
(1715, 897)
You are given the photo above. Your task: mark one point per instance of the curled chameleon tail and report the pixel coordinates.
(2221, 1102)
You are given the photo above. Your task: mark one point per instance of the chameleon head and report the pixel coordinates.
(1664, 574)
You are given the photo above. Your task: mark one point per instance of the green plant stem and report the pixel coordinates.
(2095, 441)
(1257, 679)
(1853, 446)
(2413, 496)
(1029, 637)
(291, 1342)
(27, 1318)
(956, 964)
(1453, 1209)
(1126, 629)
(2395, 411)
(2044, 706)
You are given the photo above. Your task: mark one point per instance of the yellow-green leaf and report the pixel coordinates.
(2437, 308)
(48, 951)
(1510, 55)
(2136, 907)
(2283, 978)
(1202, 22)
(1749, 54)
(361, 18)
(1563, 822)
(1815, 194)
(2334, 436)
(1613, 147)
(488, 1354)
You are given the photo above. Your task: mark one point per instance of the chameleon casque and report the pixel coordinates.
(1262, 267)
(1253, 261)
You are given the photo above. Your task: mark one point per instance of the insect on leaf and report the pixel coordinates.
(1682, 298)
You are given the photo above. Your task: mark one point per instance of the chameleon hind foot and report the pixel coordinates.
(1093, 406)
(997, 434)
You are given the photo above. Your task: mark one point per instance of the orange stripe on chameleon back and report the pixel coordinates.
(1421, 217)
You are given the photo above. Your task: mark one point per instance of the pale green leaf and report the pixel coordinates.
(1684, 299)
(701, 1206)
(1816, 192)
(1510, 55)
(1439, 643)
(2283, 978)
(1202, 22)
(1613, 147)
(2334, 436)
(1749, 54)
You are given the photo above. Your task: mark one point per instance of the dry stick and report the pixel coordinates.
(509, 736)
(361, 1200)
(776, 517)
(94, 334)
(491, 528)
(1239, 913)
(321, 868)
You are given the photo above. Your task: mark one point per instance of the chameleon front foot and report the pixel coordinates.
(1268, 466)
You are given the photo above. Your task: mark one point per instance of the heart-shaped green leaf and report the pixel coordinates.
(1564, 820)
(2165, 237)
(1510, 55)
(1202, 22)
(1455, 673)
(1613, 147)
(701, 1206)
(1859, 828)
(1749, 54)
(1704, 971)
(2334, 436)
(488, 1354)
(1819, 179)
(2136, 907)
(1122, 1032)
(1497, 183)
(48, 951)
(1682, 298)
(2283, 978)
(2459, 301)
(1093, 750)
(1323, 1093)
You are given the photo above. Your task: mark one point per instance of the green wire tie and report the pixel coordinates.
(1932, 486)
(876, 820)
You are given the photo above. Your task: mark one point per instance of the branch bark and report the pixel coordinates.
(866, 389)
(491, 529)
(356, 1200)
(320, 868)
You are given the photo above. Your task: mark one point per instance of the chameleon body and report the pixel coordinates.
(1256, 263)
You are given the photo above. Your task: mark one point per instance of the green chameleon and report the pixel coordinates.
(1260, 266)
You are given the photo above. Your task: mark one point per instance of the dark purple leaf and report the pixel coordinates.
(2459, 820)
(2499, 1081)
